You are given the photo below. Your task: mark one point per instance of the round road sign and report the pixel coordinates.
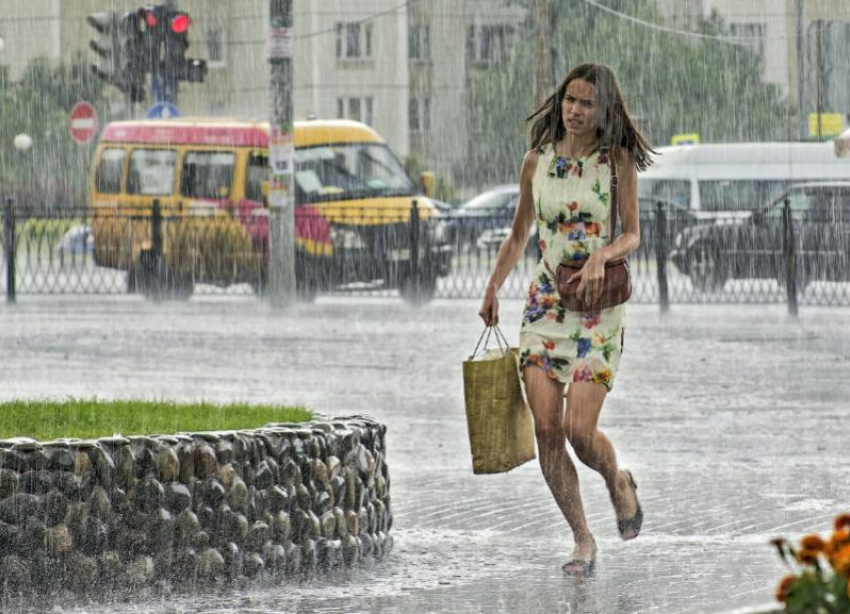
(83, 124)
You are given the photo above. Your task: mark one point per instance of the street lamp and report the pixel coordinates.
(22, 141)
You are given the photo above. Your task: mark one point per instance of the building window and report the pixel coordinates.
(753, 34)
(353, 41)
(488, 44)
(419, 112)
(216, 47)
(357, 108)
(419, 43)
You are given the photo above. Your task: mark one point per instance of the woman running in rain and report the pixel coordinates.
(565, 187)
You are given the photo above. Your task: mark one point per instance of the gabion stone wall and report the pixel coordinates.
(118, 513)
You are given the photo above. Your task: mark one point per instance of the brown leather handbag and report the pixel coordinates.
(617, 285)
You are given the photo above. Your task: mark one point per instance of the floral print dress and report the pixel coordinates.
(573, 211)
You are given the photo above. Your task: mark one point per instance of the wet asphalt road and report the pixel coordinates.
(733, 419)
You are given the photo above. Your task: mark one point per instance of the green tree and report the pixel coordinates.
(54, 172)
(672, 84)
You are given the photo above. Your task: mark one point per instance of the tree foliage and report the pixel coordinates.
(52, 174)
(672, 84)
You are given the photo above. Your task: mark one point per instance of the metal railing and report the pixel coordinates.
(682, 258)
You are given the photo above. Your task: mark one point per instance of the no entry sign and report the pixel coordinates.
(83, 124)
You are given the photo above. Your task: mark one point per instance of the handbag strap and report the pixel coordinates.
(615, 204)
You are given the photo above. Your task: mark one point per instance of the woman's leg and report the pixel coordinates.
(546, 398)
(593, 448)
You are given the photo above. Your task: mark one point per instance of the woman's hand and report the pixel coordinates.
(591, 278)
(489, 311)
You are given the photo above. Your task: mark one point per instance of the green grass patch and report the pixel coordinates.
(85, 419)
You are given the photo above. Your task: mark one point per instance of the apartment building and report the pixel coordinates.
(774, 29)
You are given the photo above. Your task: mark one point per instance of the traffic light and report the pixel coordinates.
(118, 44)
(132, 60)
(105, 46)
(166, 40)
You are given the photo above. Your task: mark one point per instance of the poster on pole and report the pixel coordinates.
(281, 43)
(281, 152)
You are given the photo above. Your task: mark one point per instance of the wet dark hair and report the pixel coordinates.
(615, 128)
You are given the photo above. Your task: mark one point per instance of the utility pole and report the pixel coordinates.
(801, 119)
(819, 76)
(541, 13)
(281, 194)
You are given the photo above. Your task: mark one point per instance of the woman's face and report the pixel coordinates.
(578, 109)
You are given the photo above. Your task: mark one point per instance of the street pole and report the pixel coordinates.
(281, 274)
(819, 76)
(542, 17)
(801, 120)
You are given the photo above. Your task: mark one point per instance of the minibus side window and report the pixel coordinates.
(677, 191)
(258, 172)
(107, 178)
(151, 172)
(207, 174)
(731, 195)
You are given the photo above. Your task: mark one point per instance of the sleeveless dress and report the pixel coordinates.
(572, 205)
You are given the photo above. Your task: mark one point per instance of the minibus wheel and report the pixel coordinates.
(422, 295)
(159, 285)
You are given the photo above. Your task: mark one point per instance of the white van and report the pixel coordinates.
(736, 177)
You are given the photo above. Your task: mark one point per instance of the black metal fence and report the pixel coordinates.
(682, 258)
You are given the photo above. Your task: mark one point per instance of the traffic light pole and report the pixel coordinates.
(281, 194)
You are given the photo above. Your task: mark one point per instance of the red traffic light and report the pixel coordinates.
(150, 19)
(180, 23)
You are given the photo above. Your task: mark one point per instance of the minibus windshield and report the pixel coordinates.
(349, 171)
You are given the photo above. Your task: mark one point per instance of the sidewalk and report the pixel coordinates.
(731, 418)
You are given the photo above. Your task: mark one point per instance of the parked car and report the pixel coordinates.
(492, 209)
(77, 242)
(752, 246)
(491, 240)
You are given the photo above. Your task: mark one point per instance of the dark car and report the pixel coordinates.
(491, 240)
(490, 210)
(677, 217)
(753, 246)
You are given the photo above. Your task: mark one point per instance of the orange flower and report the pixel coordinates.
(841, 560)
(784, 586)
(813, 542)
(840, 538)
(807, 557)
(842, 521)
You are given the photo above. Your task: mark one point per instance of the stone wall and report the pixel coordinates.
(119, 513)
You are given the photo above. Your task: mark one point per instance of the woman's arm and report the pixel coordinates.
(514, 244)
(629, 238)
(593, 272)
